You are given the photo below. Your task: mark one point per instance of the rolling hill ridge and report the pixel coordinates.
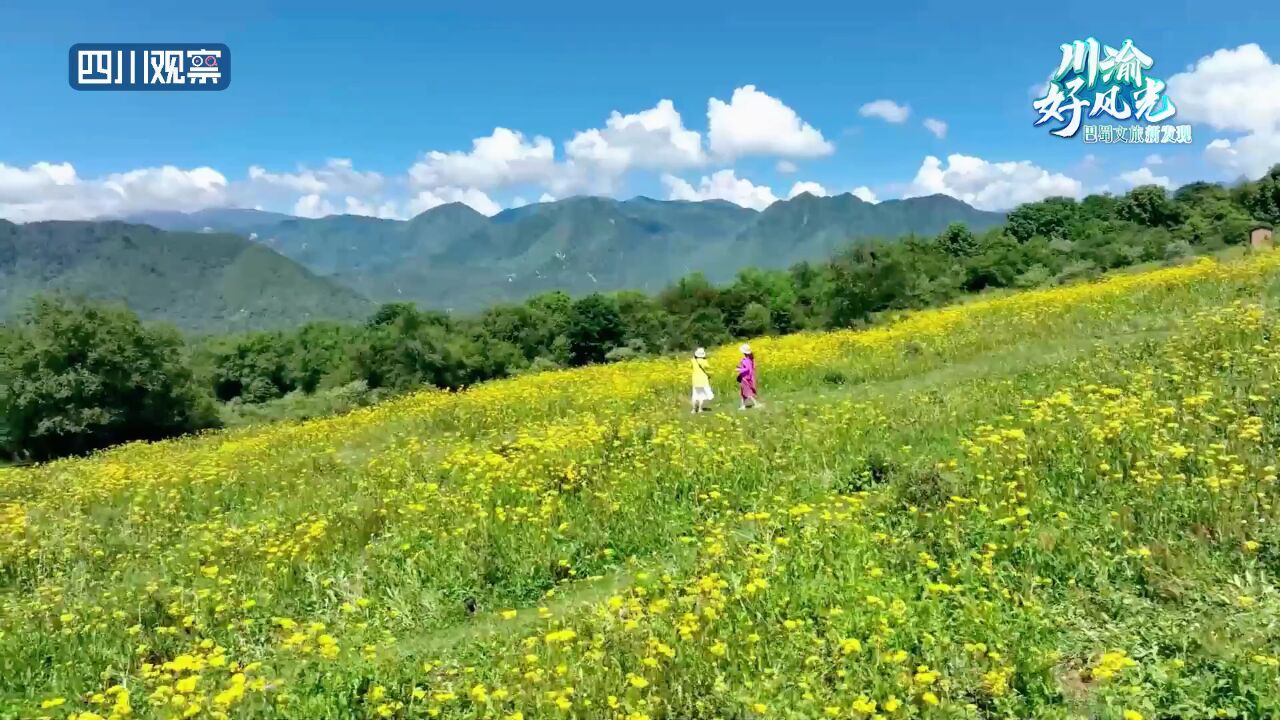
(452, 257)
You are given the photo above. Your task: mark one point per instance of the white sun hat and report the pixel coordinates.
(700, 353)
(746, 349)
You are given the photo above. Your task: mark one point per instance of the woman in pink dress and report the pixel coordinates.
(747, 379)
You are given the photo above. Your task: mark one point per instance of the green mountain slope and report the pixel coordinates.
(199, 281)
(811, 228)
(453, 257)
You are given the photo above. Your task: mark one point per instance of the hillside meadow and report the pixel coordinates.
(1051, 504)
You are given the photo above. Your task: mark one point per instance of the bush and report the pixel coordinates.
(1035, 276)
(300, 405)
(619, 354)
(78, 377)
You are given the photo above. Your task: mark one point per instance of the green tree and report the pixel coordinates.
(1262, 198)
(644, 322)
(595, 327)
(79, 377)
(756, 320)
(316, 352)
(251, 367)
(866, 279)
(958, 241)
(1050, 218)
(1150, 205)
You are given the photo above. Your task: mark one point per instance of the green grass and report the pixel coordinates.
(887, 508)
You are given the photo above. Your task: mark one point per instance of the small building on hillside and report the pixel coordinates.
(1260, 237)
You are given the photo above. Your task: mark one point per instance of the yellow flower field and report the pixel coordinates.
(1053, 504)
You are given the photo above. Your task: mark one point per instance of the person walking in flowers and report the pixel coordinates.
(701, 381)
(747, 379)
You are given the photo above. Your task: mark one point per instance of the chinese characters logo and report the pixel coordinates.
(105, 66)
(1092, 81)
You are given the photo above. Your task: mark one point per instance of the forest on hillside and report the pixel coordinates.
(76, 376)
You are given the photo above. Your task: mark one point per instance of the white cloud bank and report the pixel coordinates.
(812, 188)
(1143, 176)
(721, 185)
(594, 160)
(755, 123)
(56, 191)
(1234, 90)
(990, 185)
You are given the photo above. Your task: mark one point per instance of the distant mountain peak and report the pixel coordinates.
(454, 256)
(449, 209)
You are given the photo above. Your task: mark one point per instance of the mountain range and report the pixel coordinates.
(230, 269)
(452, 257)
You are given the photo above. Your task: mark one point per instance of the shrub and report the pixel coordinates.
(78, 377)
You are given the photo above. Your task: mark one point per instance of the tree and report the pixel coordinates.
(689, 295)
(1050, 218)
(389, 357)
(393, 314)
(1262, 198)
(866, 279)
(958, 241)
(999, 262)
(318, 350)
(79, 377)
(756, 320)
(1150, 205)
(704, 327)
(644, 322)
(595, 327)
(251, 367)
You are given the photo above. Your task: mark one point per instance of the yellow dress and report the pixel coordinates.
(700, 378)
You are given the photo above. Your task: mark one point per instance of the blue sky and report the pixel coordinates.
(379, 88)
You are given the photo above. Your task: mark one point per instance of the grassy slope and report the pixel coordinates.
(442, 510)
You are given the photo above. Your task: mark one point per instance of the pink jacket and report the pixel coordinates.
(747, 376)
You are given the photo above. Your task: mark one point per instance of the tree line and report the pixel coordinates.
(77, 376)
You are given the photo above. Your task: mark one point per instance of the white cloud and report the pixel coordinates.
(864, 193)
(386, 210)
(169, 188)
(1251, 155)
(886, 110)
(47, 191)
(937, 127)
(336, 187)
(1143, 176)
(721, 185)
(338, 176)
(812, 188)
(546, 198)
(1231, 90)
(313, 206)
(500, 159)
(1153, 159)
(755, 123)
(17, 184)
(786, 167)
(1234, 90)
(477, 199)
(655, 139)
(990, 186)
